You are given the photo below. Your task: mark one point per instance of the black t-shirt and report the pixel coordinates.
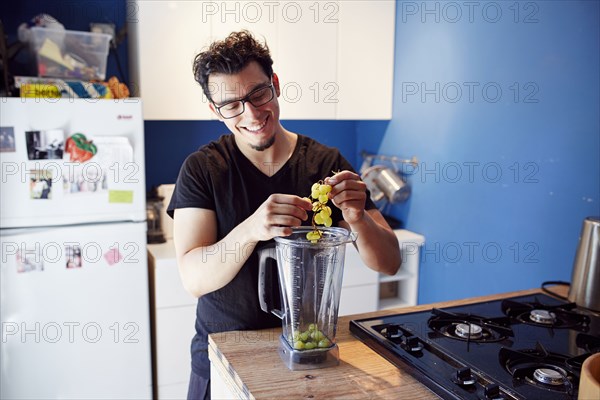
(220, 178)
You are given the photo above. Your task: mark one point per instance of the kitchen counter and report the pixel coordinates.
(249, 364)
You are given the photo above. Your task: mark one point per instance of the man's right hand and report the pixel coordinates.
(206, 265)
(278, 214)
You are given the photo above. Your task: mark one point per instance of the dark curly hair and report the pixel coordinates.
(230, 56)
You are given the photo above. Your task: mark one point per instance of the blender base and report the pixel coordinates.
(298, 360)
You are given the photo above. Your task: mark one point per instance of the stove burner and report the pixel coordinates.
(469, 327)
(542, 317)
(538, 314)
(540, 368)
(550, 376)
(471, 331)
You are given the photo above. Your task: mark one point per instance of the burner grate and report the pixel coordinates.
(540, 368)
(544, 315)
(470, 327)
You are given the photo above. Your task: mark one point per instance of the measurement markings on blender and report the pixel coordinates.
(310, 281)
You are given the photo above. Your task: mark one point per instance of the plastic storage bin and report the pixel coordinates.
(70, 54)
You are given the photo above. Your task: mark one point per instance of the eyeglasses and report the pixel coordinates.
(257, 98)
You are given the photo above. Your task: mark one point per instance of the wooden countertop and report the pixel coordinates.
(249, 363)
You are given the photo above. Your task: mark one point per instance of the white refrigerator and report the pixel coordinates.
(74, 280)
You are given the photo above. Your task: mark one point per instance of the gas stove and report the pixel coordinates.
(526, 347)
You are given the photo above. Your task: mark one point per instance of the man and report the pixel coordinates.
(246, 188)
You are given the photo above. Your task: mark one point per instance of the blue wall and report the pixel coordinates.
(168, 143)
(504, 178)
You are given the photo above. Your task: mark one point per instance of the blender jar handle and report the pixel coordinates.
(353, 236)
(267, 261)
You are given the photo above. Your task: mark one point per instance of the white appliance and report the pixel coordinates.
(74, 279)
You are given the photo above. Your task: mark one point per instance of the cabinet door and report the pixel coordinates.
(366, 59)
(334, 58)
(164, 39)
(175, 391)
(259, 18)
(358, 300)
(174, 333)
(359, 287)
(306, 61)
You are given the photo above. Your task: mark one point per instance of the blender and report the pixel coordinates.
(310, 283)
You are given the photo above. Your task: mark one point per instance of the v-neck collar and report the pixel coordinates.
(249, 164)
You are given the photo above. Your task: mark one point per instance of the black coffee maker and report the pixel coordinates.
(154, 206)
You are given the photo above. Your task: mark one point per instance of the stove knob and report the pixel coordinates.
(411, 344)
(392, 332)
(492, 392)
(464, 377)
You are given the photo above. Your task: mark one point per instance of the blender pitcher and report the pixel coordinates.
(310, 283)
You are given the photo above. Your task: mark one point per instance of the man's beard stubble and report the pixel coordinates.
(265, 145)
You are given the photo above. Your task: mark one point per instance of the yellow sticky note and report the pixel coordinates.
(120, 196)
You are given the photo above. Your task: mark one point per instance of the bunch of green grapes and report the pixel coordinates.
(310, 339)
(321, 211)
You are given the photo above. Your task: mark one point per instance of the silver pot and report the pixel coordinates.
(384, 182)
(585, 282)
(392, 185)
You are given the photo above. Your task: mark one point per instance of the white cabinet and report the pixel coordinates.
(360, 286)
(365, 70)
(335, 59)
(173, 318)
(306, 62)
(401, 290)
(164, 37)
(364, 290)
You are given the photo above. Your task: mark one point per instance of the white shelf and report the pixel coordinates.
(404, 285)
(401, 275)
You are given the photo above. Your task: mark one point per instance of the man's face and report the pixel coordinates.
(256, 127)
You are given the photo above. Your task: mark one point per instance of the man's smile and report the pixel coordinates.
(256, 127)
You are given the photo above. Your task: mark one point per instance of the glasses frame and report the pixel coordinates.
(246, 99)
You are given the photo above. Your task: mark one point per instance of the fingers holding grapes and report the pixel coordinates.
(278, 214)
(349, 194)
